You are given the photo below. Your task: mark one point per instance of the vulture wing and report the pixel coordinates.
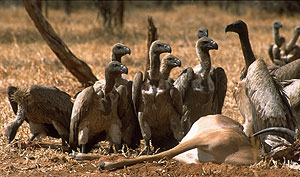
(288, 71)
(10, 91)
(269, 103)
(183, 82)
(136, 90)
(80, 109)
(220, 81)
(53, 103)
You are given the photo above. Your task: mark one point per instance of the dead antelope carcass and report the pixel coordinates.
(213, 138)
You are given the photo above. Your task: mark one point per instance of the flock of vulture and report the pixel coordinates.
(162, 110)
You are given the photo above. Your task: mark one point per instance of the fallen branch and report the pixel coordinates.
(77, 67)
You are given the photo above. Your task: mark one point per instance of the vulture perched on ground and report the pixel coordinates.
(131, 133)
(258, 95)
(274, 49)
(203, 88)
(46, 109)
(96, 112)
(158, 103)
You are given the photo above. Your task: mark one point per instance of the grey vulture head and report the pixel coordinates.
(202, 31)
(118, 51)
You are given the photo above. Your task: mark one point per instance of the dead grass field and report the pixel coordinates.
(25, 59)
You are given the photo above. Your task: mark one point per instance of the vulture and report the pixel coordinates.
(131, 133)
(157, 102)
(202, 31)
(292, 51)
(96, 112)
(202, 88)
(274, 49)
(46, 109)
(258, 95)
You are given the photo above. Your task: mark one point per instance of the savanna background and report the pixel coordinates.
(25, 59)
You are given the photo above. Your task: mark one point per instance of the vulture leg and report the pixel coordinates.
(62, 131)
(33, 136)
(114, 135)
(145, 130)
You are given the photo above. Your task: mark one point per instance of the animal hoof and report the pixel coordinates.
(102, 165)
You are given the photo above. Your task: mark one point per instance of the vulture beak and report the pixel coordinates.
(168, 48)
(127, 50)
(124, 69)
(177, 62)
(214, 45)
(229, 28)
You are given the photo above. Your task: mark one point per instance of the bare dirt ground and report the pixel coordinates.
(25, 59)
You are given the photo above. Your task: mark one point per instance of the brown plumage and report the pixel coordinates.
(203, 88)
(46, 109)
(167, 64)
(157, 103)
(131, 133)
(292, 91)
(96, 111)
(258, 96)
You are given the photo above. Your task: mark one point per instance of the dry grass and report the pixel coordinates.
(26, 59)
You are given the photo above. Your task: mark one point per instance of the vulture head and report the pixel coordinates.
(115, 68)
(171, 61)
(118, 51)
(159, 47)
(11, 130)
(277, 25)
(202, 31)
(205, 44)
(112, 71)
(297, 29)
(238, 26)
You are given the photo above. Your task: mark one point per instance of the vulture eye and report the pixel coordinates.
(159, 45)
(119, 47)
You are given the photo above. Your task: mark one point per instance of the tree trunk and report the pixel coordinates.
(76, 66)
(119, 13)
(152, 36)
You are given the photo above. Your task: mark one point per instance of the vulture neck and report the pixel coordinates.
(154, 66)
(115, 57)
(247, 52)
(205, 63)
(165, 71)
(292, 42)
(276, 36)
(109, 83)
